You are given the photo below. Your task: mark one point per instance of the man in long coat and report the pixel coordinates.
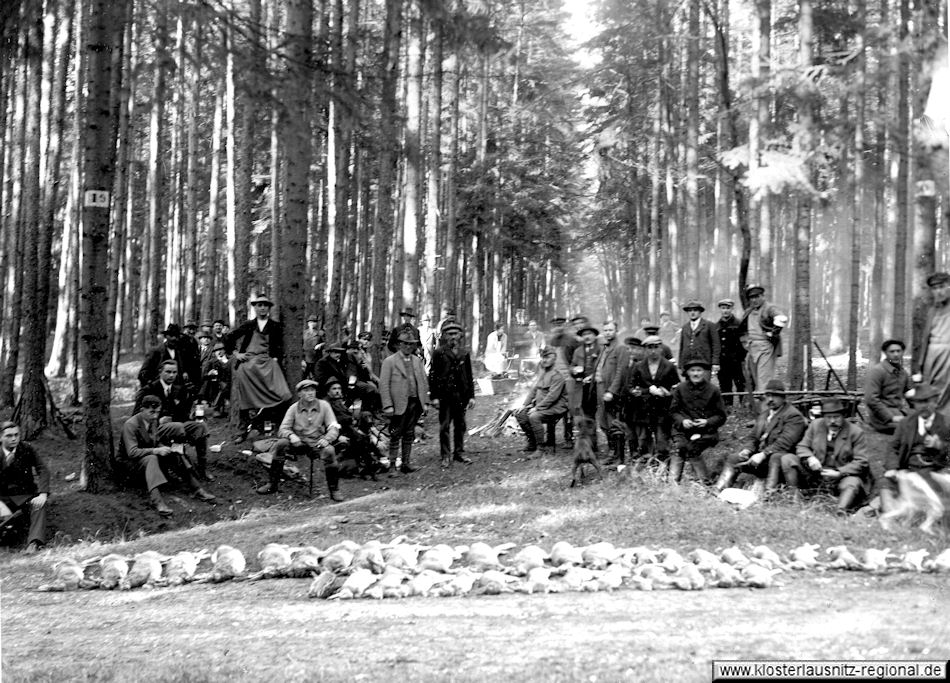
(404, 391)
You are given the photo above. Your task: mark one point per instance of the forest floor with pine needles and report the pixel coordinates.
(267, 629)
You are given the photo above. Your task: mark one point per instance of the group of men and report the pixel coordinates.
(633, 390)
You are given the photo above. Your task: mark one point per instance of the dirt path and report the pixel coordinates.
(271, 631)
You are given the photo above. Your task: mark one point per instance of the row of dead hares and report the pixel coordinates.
(400, 569)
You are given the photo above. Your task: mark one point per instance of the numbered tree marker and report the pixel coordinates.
(97, 199)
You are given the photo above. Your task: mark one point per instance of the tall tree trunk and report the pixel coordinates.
(98, 176)
(383, 221)
(903, 145)
(858, 214)
(760, 209)
(433, 192)
(691, 228)
(37, 233)
(293, 285)
(450, 252)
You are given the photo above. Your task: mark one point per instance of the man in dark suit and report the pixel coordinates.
(18, 487)
(699, 339)
(650, 385)
(172, 348)
(776, 432)
(175, 423)
(406, 316)
(731, 351)
(452, 388)
(141, 449)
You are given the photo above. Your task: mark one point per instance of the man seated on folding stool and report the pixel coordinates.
(309, 428)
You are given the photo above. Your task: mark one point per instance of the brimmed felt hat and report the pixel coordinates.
(408, 337)
(408, 312)
(775, 386)
(938, 279)
(632, 341)
(305, 383)
(832, 405)
(330, 382)
(451, 326)
(191, 323)
(922, 392)
(694, 304)
(725, 303)
(891, 342)
(752, 289)
(653, 340)
(558, 320)
(651, 328)
(697, 363)
(579, 319)
(261, 299)
(548, 351)
(204, 335)
(589, 328)
(172, 329)
(337, 346)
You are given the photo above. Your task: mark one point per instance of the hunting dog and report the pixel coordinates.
(918, 493)
(584, 449)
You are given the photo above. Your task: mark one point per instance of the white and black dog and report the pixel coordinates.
(917, 492)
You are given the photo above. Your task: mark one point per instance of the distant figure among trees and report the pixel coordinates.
(496, 351)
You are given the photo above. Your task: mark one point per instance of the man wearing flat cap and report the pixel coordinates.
(404, 389)
(884, 389)
(332, 364)
(921, 442)
(931, 352)
(309, 428)
(698, 413)
(777, 431)
(731, 351)
(649, 392)
(452, 390)
(761, 329)
(698, 337)
(546, 403)
(257, 349)
(832, 453)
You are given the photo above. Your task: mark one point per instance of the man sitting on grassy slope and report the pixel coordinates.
(833, 452)
(698, 412)
(776, 432)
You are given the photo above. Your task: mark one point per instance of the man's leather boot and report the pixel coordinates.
(159, 503)
(201, 460)
(407, 467)
(274, 473)
(676, 467)
(699, 469)
(333, 483)
(726, 478)
(846, 499)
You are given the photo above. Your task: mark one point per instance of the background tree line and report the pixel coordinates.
(163, 160)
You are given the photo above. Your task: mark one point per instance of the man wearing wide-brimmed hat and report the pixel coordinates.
(832, 452)
(698, 337)
(777, 431)
(404, 390)
(309, 428)
(884, 388)
(407, 318)
(931, 352)
(257, 349)
(583, 369)
(921, 442)
(452, 389)
(761, 329)
(171, 348)
(698, 413)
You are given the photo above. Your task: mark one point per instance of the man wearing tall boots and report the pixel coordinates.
(175, 425)
(309, 428)
(453, 392)
(608, 376)
(584, 366)
(20, 492)
(698, 413)
(404, 391)
(546, 402)
(649, 394)
(776, 432)
(761, 329)
(832, 452)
